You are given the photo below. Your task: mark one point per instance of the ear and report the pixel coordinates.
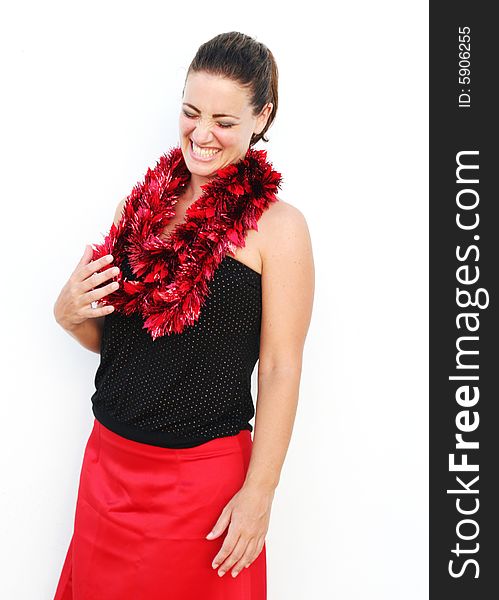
(263, 117)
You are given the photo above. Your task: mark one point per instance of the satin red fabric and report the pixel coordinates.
(141, 520)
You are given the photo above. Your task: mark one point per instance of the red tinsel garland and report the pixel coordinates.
(173, 275)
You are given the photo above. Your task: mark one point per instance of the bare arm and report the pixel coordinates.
(72, 308)
(288, 283)
(287, 296)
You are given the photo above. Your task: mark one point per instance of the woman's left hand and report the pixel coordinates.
(248, 516)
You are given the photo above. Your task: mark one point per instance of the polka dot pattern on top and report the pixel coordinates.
(182, 390)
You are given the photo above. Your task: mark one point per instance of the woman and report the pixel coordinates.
(212, 271)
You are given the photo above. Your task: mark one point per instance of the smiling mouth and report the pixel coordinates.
(197, 151)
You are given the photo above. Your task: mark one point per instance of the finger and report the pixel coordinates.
(235, 555)
(87, 255)
(99, 311)
(99, 293)
(97, 279)
(221, 525)
(228, 545)
(246, 559)
(83, 272)
(85, 259)
(259, 547)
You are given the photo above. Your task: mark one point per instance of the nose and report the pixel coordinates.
(202, 132)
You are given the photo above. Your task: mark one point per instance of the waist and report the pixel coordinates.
(113, 440)
(169, 438)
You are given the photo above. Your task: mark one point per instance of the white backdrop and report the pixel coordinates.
(91, 99)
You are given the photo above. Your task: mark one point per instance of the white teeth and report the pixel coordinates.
(203, 152)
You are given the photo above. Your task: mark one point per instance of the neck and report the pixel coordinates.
(195, 183)
(193, 189)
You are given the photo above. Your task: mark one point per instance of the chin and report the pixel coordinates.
(202, 169)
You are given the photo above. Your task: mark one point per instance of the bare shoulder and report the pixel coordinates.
(282, 209)
(288, 284)
(283, 230)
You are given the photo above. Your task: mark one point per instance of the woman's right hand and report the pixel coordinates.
(73, 306)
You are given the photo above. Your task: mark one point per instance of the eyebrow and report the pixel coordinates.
(216, 115)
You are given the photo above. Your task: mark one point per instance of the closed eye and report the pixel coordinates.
(223, 125)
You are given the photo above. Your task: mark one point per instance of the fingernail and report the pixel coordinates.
(234, 573)
(210, 534)
(221, 573)
(214, 565)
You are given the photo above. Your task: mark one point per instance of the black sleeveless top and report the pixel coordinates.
(183, 389)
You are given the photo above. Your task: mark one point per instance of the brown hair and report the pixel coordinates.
(244, 60)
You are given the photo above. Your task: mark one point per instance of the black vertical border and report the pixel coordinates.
(454, 129)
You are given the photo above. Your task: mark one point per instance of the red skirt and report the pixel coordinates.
(141, 520)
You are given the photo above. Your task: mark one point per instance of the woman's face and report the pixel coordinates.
(216, 123)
